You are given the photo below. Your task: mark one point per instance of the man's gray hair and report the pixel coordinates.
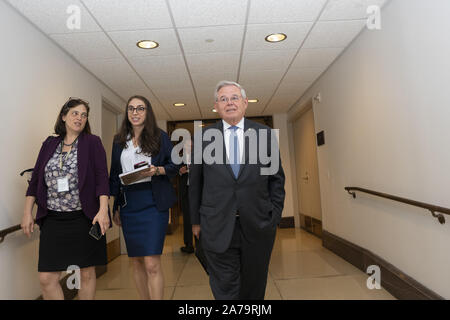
(225, 83)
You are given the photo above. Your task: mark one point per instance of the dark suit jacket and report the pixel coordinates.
(162, 189)
(216, 196)
(92, 174)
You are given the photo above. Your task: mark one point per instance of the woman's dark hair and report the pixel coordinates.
(149, 140)
(60, 126)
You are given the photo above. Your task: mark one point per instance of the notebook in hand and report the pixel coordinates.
(134, 176)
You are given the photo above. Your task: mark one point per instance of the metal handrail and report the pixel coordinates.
(5, 232)
(430, 207)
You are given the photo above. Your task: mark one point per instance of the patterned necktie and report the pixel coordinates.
(234, 151)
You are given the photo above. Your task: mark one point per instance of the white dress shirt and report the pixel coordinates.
(130, 156)
(240, 135)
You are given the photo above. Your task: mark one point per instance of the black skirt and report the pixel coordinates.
(65, 241)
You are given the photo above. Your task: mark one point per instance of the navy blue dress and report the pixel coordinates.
(144, 226)
(144, 207)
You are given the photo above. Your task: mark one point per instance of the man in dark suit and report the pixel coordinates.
(235, 205)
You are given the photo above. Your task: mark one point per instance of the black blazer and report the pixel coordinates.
(162, 189)
(215, 196)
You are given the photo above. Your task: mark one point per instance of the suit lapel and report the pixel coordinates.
(82, 158)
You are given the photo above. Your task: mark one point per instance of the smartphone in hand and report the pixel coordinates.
(96, 231)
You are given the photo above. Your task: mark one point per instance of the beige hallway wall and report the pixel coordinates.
(385, 114)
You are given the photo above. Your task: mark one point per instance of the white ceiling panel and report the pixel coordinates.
(270, 11)
(210, 80)
(348, 9)
(266, 60)
(52, 16)
(130, 14)
(226, 39)
(334, 34)
(213, 62)
(313, 58)
(86, 46)
(302, 75)
(190, 105)
(200, 13)
(256, 34)
(185, 115)
(158, 66)
(177, 97)
(208, 114)
(168, 82)
(127, 40)
(107, 68)
(206, 47)
(262, 76)
(179, 93)
(281, 104)
(206, 100)
(292, 88)
(257, 90)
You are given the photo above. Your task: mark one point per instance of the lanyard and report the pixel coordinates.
(61, 162)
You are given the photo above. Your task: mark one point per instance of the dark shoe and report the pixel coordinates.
(187, 249)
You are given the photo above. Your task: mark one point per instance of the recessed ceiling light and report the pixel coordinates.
(147, 44)
(209, 40)
(253, 100)
(180, 104)
(214, 110)
(276, 37)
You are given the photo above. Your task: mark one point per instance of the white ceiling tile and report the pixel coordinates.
(266, 60)
(130, 14)
(177, 97)
(127, 40)
(258, 106)
(256, 34)
(196, 13)
(348, 9)
(270, 11)
(313, 58)
(281, 103)
(292, 89)
(262, 76)
(226, 39)
(190, 108)
(302, 75)
(168, 82)
(213, 62)
(51, 16)
(262, 92)
(180, 115)
(177, 93)
(158, 66)
(86, 46)
(334, 34)
(107, 68)
(208, 81)
(206, 101)
(253, 113)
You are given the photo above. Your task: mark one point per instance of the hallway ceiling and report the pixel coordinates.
(202, 42)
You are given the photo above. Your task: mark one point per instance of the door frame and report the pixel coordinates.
(307, 106)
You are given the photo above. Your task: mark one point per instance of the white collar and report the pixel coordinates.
(240, 124)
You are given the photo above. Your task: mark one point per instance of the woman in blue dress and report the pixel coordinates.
(142, 207)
